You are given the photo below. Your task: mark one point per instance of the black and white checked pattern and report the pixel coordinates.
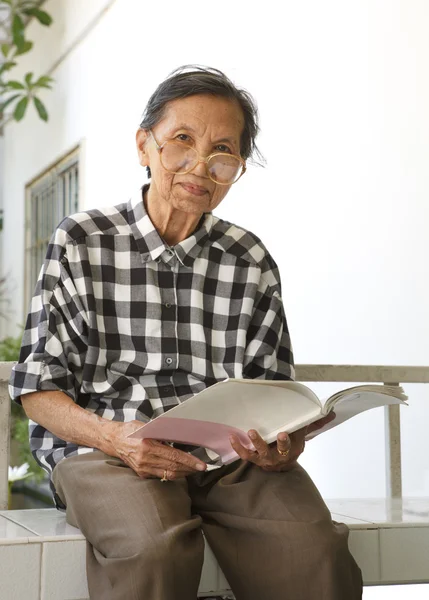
(129, 327)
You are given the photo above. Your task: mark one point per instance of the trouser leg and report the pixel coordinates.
(142, 541)
(273, 535)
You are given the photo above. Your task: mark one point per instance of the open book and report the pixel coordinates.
(237, 405)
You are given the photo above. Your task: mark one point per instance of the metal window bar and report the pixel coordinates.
(50, 198)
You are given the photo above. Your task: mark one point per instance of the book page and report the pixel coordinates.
(357, 402)
(251, 404)
(388, 390)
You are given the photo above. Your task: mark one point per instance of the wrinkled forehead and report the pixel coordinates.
(205, 115)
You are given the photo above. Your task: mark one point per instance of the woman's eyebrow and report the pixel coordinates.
(229, 140)
(226, 139)
(183, 126)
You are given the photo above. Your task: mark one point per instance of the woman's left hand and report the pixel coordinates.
(280, 455)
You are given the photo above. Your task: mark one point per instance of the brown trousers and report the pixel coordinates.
(271, 532)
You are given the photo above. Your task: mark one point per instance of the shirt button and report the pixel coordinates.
(168, 361)
(167, 389)
(167, 305)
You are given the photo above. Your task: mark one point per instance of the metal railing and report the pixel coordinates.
(392, 417)
(305, 373)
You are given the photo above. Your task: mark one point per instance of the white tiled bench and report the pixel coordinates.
(43, 558)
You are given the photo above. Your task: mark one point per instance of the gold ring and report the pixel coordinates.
(283, 452)
(164, 477)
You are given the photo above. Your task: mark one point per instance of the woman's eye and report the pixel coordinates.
(223, 148)
(183, 137)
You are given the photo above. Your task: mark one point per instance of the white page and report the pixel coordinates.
(252, 404)
(354, 404)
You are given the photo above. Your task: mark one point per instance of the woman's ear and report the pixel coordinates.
(141, 138)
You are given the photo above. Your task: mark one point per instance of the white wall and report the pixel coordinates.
(343, 93)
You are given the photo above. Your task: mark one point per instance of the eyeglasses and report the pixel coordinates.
(180, 159)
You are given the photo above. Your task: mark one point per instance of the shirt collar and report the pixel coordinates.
(152, 246)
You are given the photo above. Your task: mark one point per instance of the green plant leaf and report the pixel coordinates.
(43, 81)
(9, 348)
(5, 49)
(19, 432)
(28, 79)
(6, 103)
(15, 85)
(18, 31)
(25, 47)
(20, 109)
(40, 107)
(6, 66)
(40, 15)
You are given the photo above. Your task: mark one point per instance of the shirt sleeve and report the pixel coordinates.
(269, 352)
(54, 343)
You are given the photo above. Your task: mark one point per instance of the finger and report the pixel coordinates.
(173, 475)
(242, 452)
(297, 446)
(164, 474)
(284, 444)
(297, 443)
(151, 465)
(164, 463)
(174, 455)
(330, 417)
(298, 436)
(260, 445)
(321, 422)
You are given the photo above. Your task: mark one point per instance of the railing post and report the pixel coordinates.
(392, 431)
(4, 433)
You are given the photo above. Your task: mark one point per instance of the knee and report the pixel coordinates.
(148, 549)
(153, 550)
(328, 541)
(332, 557)
(335, 563)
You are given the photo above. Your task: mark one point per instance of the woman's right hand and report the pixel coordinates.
(151, 458)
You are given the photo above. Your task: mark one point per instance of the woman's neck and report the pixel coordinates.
(173, 225)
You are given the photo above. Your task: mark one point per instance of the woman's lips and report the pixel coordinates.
(197, 190)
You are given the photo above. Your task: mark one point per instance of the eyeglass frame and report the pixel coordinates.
(200, 159)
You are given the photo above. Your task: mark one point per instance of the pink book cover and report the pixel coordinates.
(214, 436)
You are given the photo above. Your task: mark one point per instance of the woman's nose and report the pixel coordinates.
(200, 168)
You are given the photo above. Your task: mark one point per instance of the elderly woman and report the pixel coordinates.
(140, 306)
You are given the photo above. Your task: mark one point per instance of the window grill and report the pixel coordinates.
(50, 198)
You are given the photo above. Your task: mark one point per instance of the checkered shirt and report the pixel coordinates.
(129, 327)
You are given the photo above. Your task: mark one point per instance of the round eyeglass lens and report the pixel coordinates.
(177, 158)
(225, 168)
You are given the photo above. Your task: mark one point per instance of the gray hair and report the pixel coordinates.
(191, 80)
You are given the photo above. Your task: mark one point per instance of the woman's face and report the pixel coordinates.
(207, 123)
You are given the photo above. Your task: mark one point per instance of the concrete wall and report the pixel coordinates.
(342, 203)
